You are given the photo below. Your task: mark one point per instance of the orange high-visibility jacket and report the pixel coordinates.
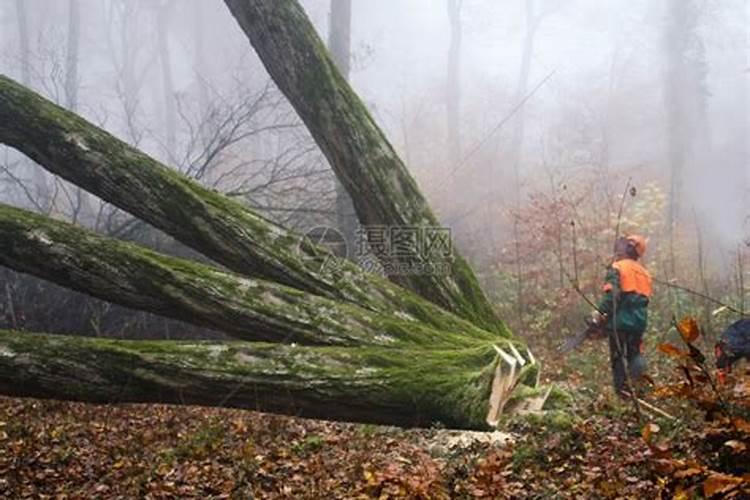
(627, 307)
(634, 278)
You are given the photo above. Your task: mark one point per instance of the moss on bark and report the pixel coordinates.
(382, 190)
(370, 384)
(220, 228)
(251, 309)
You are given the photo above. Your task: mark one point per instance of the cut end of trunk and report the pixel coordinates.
(508, 372)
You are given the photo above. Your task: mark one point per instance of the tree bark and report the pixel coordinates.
(385, 386)
(383, 191)
(220, 228)
(251, 309)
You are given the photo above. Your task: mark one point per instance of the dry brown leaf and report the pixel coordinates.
(689, 472)
(741, 425)
(736, 446)
(672, 350)
(649, 429)
(689, 329)
(719, 483)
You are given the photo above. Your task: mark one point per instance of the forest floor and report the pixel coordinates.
(51, 449)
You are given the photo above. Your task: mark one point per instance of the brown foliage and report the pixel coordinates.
(722, 466)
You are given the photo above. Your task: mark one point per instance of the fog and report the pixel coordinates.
(570, 106)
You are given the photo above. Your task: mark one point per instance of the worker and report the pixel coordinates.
(623, 311)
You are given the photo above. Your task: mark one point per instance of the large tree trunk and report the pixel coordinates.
(250, 309)
(390, 386)
(383, 191)
(220, 228)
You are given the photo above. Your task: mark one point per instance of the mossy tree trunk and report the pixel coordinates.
(251, 309)
(350, 363)
(382, 190)
(218, 227)
(368, 384)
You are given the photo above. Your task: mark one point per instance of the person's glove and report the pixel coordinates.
(597, 318)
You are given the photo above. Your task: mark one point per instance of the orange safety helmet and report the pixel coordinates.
(638, 242)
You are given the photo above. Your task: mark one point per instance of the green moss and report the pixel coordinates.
(410, 387)
(558, 399)
(344, 129)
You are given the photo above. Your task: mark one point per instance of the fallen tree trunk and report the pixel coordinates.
(220, 228)
(251, 309)
(382, 190)
(386, 386)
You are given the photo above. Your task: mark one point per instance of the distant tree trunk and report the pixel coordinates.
(71, 55)
(23, 37)
(82, 203)
(170, 109)
(453, 90)
(734, 151)
(127, 83)
(200, 55)
(383, 191)
(685, 94)
(516, 146)
(743, 144)
(204, 220)
(24, 33)
(386, 386)
(339, 42)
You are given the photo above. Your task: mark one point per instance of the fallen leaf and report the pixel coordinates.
(649, 429)
(736, 446)
(689, 472)
(689, 329)
(742, 425)
(672, 350)
(719, 483)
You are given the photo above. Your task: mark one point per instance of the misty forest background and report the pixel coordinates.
(523, 122)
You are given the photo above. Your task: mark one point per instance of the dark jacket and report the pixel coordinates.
(627, 290)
